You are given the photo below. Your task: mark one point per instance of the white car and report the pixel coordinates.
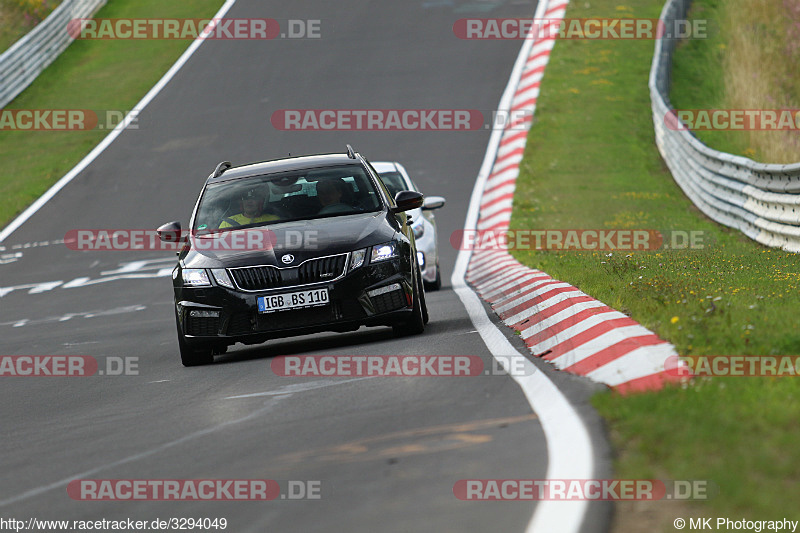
(396, 179)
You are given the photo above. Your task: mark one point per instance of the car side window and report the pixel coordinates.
(378, 178)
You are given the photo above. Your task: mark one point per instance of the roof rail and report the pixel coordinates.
(350, 152)
(222, 167)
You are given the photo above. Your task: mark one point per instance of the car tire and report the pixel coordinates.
(416, 324)
(193, 356)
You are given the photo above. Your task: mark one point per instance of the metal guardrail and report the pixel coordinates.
(28, 57)
(761, 200)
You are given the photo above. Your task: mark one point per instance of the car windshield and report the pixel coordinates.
(308, 194)
(394, 182)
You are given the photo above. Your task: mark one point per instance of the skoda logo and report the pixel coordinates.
(286, 259)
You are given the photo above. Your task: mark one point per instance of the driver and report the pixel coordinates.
(252, 210)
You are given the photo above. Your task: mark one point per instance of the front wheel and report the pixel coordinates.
(416, 324)
(191, 356)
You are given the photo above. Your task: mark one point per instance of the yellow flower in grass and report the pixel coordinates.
(30, 4)
(674, 319)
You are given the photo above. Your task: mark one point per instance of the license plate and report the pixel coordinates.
(292, 300)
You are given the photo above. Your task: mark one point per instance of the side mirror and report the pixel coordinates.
(407, 200)
(170, 232)
(433, 202)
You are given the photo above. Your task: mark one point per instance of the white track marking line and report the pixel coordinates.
(569, 447)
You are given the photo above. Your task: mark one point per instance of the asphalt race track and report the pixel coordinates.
(385, 451)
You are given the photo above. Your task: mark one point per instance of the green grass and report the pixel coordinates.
(748, 62)
(698, 78)
(591, 162)
(739, 433)
(90, 74)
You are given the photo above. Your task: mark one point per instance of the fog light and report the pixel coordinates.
(421, 259)
(203, 314)
(384, 290)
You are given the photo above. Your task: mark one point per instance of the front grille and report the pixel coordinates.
(313, 316)
(322, 269)
(202, 326)
(256, 278)
(260, 278)
(243, 323)
(389, 301)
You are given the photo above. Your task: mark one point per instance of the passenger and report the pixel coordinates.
(329, 193)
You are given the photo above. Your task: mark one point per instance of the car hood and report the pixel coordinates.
(302, 240)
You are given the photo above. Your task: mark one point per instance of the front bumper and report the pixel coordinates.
(223, 316)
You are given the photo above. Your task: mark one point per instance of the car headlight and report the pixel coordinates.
(419, 229)
(357, 259)
(221, 277)
(382, 252)
(195, 277)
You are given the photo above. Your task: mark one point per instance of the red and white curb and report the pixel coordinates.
(558, 322)
(570, 452)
